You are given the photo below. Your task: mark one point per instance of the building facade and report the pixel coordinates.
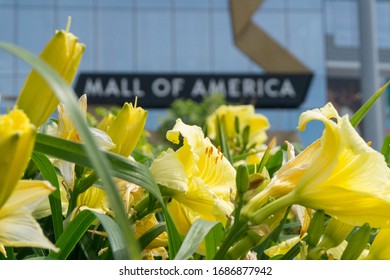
(185, 36)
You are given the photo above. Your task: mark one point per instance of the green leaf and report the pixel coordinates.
(213, 240)
(357, 243)
(222, 140)
(72, 234)
(117, 242)
(273, 238)
(386, 148)
(151, 234)
(66, 95)
(359, 114)
(124, 168)
(275, 162)
(79, 226)
(48, 172)
(198, 231)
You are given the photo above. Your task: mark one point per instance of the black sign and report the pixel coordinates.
(160, 90)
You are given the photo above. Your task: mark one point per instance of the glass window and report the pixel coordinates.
(6, 35)
(383, 24)
(116, 49)
(154, 40)
(226, 57)
(192, 3)
(35, 29)
(192, 31)
(154, 3)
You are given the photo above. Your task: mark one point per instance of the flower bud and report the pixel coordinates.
(357, 243)
(17, 138)
(316, 228)
(336, 231)
(63, 53)
(242, 181)
(126, 128)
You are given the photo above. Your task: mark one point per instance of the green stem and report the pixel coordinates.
(257, 217)
(72, 202)
(235, 232)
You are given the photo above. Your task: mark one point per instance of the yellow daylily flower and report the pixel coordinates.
(339, 173)
(19, 198)
(17, 139)
(18, 228)
(147, 223)
(63, 53)
(246, 115)
(130, 193)
(346, 178)
(66, 130)
(93, 198)
(198, 177)
(125, 129)
(283, 247)
(380, 249)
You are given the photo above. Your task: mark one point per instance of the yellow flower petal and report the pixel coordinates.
(17, 139)
(126, 128)
(17, 226)
(246, 115)
(201, 179)
(63, 53)
(380, 249)
(147, 223)
(283, 247)
(347, 178)
(339, 173)
(169, 171)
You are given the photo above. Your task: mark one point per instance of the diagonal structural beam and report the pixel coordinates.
(257, 44)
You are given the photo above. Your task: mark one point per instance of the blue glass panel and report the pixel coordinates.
(224, 4)
(154, 40)
(306, 39)
(83, 26)
(273, 4)
(6, 88)
(304, 4)
(226, 57)
(76, 3)
(154, 3)
(273, 22)
(6, 35)
(383, 24)
(192, 40)
(116, 3)
(116, 49)
(35, 29)
(36, 3)
(192, 4)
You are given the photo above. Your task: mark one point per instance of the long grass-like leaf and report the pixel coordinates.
(359, 114)
(151, 234)
(386, 148)
(66, 95)
(79, 226)
(198, 231)
(72, 234)
(48, 172)
(213, 239)
(222, 140)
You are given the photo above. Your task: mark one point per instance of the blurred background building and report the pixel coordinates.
(187, 36)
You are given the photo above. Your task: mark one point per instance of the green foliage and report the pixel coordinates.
(190, 112)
